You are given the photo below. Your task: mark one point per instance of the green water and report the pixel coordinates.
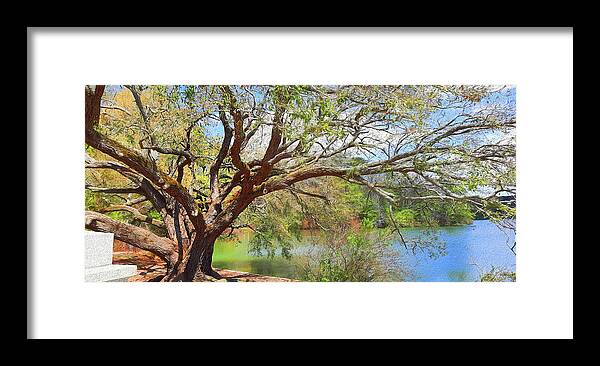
(469, 251)
(234, 255)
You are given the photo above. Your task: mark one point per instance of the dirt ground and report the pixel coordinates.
(151, 269)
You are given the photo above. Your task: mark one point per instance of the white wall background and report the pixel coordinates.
(538, 305)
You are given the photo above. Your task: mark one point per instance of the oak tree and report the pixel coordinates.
(177, 172)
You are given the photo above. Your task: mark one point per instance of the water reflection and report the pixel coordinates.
(469, 251)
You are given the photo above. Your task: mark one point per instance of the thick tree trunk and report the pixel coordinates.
(198, 266)
(187, 262)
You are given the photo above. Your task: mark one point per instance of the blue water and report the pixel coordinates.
(470, 251)
(462, 253)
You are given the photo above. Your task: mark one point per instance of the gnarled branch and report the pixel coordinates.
(133, 235)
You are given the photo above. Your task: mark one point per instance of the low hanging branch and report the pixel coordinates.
(133, 235)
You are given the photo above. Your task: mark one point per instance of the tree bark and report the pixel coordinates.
(199, 262)
(133, 235)
(182, 263)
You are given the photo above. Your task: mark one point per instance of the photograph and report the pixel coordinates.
(287, 183)
(300, 183)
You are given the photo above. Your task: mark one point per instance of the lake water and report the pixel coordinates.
(469, 250)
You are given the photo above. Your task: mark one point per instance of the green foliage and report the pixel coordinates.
(361, 206)
(153, 214)
(498, 275)
(356, 161)
(277, 220)
(406, 217)
(276, 229)
(443, 213)
(119, 215)
(95, 201)
(497, 211)
(345, 256)
(453, 213)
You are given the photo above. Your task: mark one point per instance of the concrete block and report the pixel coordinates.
(98, 249)
(98, 260)
(112, 273)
